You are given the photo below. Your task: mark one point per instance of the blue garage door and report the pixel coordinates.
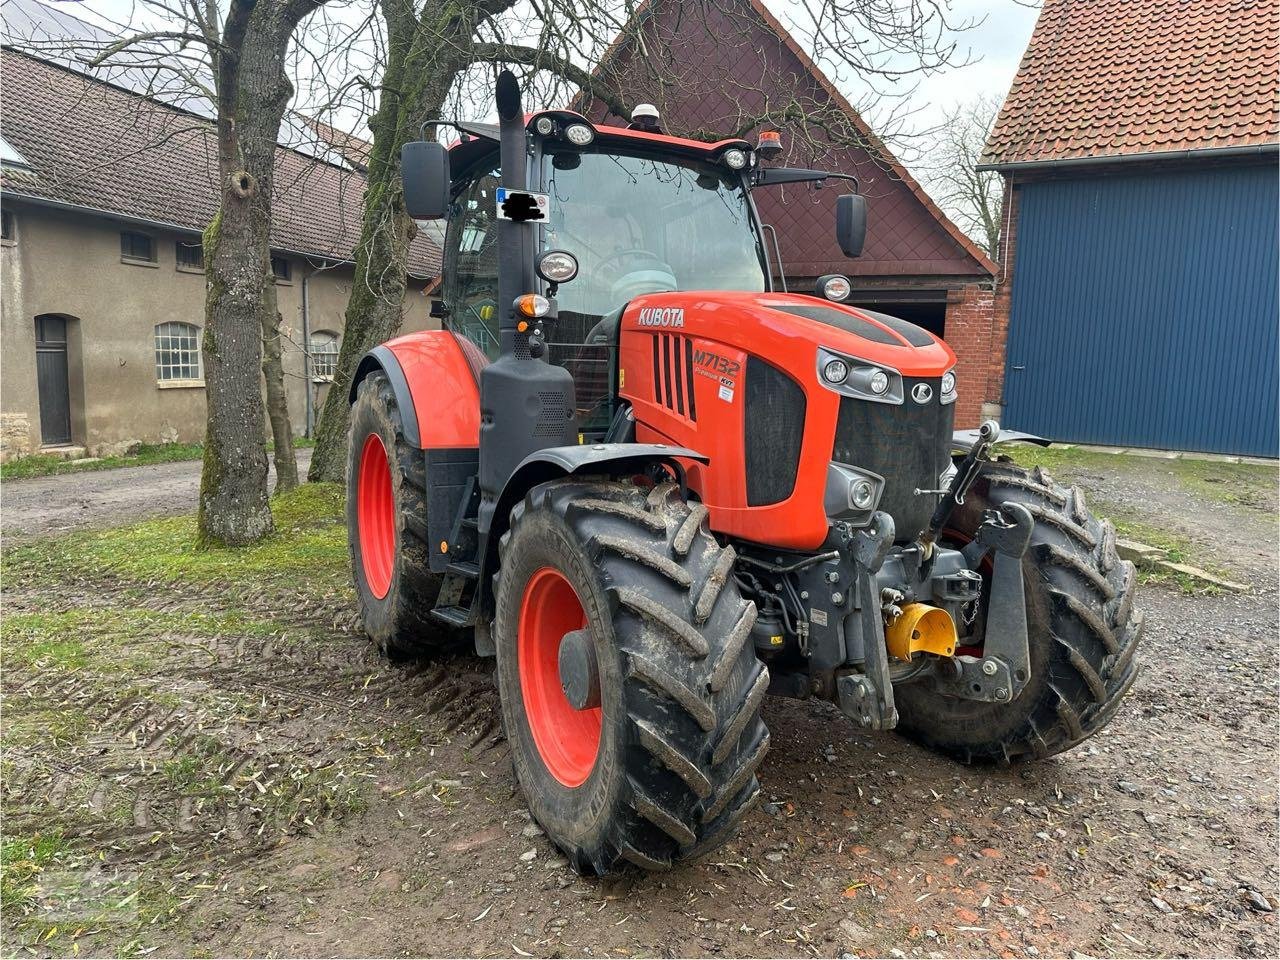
(1145, 311)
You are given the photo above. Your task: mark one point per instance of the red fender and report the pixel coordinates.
(441, 373)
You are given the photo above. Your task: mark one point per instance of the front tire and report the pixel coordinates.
(665, 767)
(1082, 630)
(387, 527)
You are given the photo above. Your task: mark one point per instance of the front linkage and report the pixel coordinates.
(847, 607)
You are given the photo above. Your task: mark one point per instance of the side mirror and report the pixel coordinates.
(424, 169)
(851, 223)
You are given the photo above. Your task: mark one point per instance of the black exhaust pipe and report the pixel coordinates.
(515, 238)
(526, 403)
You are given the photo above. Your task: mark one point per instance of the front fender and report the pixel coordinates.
(552, 463)
(436, 384)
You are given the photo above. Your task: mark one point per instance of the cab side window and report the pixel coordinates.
(471, 289)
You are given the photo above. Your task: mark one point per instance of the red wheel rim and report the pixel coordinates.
(376, 516)
(568, 740)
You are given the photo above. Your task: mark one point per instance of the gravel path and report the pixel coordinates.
(103, 498)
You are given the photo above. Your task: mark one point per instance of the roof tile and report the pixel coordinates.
(93, 145)
(1105, 78)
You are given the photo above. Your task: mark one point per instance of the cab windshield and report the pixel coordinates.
(640, 225)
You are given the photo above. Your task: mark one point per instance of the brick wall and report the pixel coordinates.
(978, 327)
(969, 330)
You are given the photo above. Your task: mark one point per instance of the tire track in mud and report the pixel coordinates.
(229, 742)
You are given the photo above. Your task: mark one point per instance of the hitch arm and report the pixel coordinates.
(961, 483)
(1005, 665)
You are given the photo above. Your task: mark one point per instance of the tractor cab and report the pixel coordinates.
(632, 211)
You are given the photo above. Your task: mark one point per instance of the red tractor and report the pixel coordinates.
(657, 488)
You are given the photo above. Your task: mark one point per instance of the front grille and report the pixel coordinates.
(774, 422)
(673, 374)
(908, 444)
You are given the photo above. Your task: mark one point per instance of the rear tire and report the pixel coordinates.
(387, 527)
(1082, 629)
(672, 767)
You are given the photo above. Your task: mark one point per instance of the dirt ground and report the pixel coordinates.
(245, 778)
(73, 501)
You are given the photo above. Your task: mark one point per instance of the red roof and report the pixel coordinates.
(94, 146)
(733, 60)
(1107, 78)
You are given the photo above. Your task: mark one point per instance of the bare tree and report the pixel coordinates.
(972, 198)
(440, 62)
(229, 61)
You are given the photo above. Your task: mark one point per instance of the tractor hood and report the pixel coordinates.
(790, 319)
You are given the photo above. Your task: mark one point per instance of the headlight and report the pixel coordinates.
(851, 493)
(544, 126)
(858, 378)
(557, 266)
(735, 159)
(579, 134)
(835, 371)
(862, 494)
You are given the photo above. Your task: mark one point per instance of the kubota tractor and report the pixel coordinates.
(658, 488)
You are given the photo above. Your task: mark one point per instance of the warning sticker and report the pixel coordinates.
(726, 393)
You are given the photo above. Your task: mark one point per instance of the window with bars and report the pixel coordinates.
(137, 246)
(281, 269)
(189, 255)
(177, 352)
(324, 355)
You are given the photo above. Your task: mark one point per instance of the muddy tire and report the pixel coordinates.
(666, 767)
(1082, 626)
(387, 528)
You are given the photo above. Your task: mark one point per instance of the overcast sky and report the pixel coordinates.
(995, 47)
(992, 50)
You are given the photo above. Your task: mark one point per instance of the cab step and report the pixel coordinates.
(453, 616)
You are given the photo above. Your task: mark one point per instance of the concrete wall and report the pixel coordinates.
(70, 264)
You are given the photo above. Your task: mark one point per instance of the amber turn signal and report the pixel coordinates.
(533, 305)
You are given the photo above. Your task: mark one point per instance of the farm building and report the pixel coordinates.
(102, 293)
(1138, 272)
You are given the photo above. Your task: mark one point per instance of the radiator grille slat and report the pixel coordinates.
(673, 374)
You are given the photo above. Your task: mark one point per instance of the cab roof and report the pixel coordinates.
(483, 138)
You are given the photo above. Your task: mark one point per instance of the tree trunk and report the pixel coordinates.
(240, 301)
(415, 85)
(278, 408)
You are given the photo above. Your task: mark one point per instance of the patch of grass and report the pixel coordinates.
(44, 465)
(1244, 484)
(47, 465)
(109, 640)
(309, 546)
(22, 860)
(1177, 549)
(27, 726)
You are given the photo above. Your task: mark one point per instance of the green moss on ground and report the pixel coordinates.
(91, 638)
(1245, 484)
(44, 465)
(309, 545)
